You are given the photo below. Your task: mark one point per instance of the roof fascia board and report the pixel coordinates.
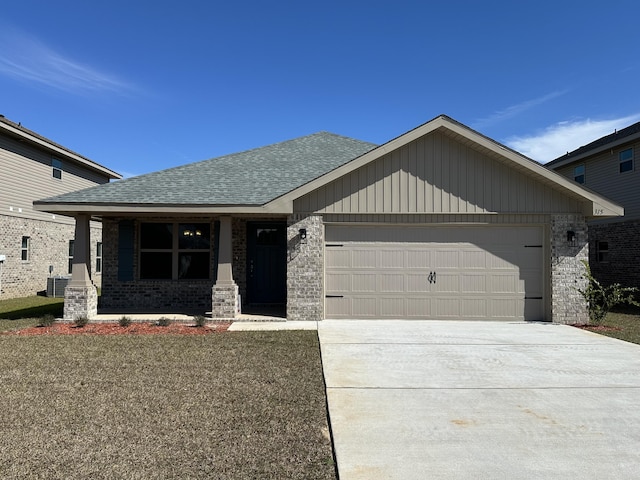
(61, 151)
(555, 164)
(97, 209)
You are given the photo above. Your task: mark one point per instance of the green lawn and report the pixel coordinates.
(623, 323)
(234, 405)
(30, 307)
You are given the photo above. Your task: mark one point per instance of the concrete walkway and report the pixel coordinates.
(480, 400)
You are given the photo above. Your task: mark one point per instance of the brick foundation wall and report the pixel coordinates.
(622, 264)
(305, 268)
(567, 304)
(49, 246)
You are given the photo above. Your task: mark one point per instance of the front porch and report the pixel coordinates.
(226, 268)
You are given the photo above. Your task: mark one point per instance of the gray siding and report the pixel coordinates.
(436, 174)
(26, 175)
(602, 175)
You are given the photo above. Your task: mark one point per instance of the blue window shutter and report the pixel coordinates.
(125, 250)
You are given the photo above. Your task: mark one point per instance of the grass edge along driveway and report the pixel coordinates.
(229, 406)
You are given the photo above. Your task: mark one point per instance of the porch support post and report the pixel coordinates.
(81, 296)
(224, 295)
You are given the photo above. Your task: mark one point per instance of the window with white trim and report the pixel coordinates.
(98, 257)
(175, 251)
(70, 256)
(25, 249)
(626, 160)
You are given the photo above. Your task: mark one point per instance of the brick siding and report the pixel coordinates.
(49, 245)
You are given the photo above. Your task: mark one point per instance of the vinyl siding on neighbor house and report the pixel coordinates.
(436, 174)
(602, 174)
(27, 175)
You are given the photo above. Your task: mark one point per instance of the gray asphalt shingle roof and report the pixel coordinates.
(254, 177)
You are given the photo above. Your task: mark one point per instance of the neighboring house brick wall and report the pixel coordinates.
(622, 263)
(49, 245)
(305, 268)
(567, 270)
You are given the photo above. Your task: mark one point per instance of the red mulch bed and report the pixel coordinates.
(597, 328)
(140, 328)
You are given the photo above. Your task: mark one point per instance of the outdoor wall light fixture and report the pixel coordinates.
(571, 237)
(303, 233)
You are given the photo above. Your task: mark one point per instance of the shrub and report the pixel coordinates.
(81, 321)
(200, 320)
(124, 321)
(600, 300)
(47, 320)
(163, 322)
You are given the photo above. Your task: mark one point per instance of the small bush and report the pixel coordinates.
(47, 320)
(600, 300)
(200, 320)
(81, 322)
(124, 321)
(163, 322)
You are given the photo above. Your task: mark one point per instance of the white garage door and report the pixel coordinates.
(461, 273)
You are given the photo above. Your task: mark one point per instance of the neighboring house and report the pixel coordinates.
(609, 166)
(37, 245)
(439, 223)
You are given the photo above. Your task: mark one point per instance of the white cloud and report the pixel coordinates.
(26, 58)
(514, 110)
(564, 137)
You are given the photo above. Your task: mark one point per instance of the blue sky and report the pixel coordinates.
(145, 85)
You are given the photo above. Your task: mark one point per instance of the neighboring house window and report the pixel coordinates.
(99, 257)
(603, 251)
(578, 174)
(25, 249)
(626, 160)
(71, 242)
(57, 168)
(172, 251)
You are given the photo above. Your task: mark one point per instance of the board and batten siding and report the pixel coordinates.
(602, 175)
(26, 175)
(436, 174)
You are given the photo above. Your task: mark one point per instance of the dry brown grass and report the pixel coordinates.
(245, 405)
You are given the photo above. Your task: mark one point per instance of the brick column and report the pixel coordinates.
(567, 304)
(305, 268)
(81, 296)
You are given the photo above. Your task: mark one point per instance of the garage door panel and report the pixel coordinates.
(444, 258)
(364, 258)
(446, 282)
(472, 308)
(474, 283)
(435, 272)
(391, 283)
(417, 259)
(418, 307)
(337, 258)
(391, 258)
(474, 259)
(363, 283)
(418, 283)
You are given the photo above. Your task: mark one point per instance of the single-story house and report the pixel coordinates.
(438, 223)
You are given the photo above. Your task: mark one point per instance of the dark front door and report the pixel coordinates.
(267, 262)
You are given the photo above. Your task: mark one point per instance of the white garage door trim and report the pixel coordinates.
(435, 272)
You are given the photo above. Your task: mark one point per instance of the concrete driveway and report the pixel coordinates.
(480, 400)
